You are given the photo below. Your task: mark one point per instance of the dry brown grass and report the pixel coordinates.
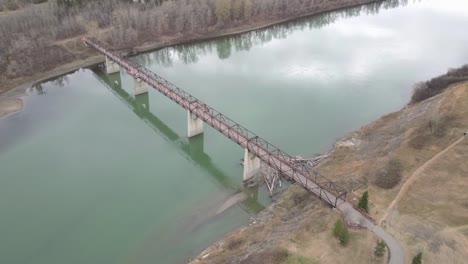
(299, 228)
(432, 215)
(316, 241)
(433, 218)
(426, 134)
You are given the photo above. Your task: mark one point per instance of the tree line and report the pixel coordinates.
(30, 38)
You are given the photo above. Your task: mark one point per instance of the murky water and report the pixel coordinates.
(89, 174)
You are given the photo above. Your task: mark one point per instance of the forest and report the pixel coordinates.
(38, 35)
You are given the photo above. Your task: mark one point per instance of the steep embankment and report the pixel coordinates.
(430, 216)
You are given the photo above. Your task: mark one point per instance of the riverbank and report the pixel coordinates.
(9, 105)
(78, 83)
(299, 226)
(84, 57)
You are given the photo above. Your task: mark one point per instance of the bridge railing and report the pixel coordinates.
(267, 152)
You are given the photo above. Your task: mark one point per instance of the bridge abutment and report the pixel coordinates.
(140, 87)
(251, 165)
(111, 66)
(194, 124)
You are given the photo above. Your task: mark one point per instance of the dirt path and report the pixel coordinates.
(395, 250)
(414, 176)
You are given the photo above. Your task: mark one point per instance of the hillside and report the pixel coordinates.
(431, 216)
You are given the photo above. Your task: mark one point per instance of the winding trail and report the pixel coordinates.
(395, 250)
(396, 253)
(415, 176)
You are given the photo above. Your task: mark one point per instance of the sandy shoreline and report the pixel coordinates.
(10, 105)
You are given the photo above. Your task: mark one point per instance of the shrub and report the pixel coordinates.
(379, 250)
(420, 92)
(417, 259)
(295, 197)
(419, 140)
(438, 127)
(364, 201)
(234, 243)
(426, 90)
(389, 176)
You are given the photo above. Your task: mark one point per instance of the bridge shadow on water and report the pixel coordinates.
(190, 148)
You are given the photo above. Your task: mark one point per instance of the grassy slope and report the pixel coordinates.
(433, 217)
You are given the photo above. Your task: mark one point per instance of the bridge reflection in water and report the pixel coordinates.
(190, 148)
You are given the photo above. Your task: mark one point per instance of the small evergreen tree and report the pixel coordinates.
(379, 250)
(364, 201)
(344, 236)
(341, 232)
(417, 259)
(339, 225)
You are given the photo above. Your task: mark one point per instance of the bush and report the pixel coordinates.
(417, 259)
(435, 86)
(419, 140)
(379, 250)
(438, 127)
(234, 243)
(389, 176)
(295, 197)
(341, 232)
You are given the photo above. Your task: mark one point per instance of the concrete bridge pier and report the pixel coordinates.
(140, 87)
(194, 124)
(196, 146)
(142, 103)
(111, 66)
(251, 165)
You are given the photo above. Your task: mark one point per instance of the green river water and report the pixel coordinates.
(89, 174)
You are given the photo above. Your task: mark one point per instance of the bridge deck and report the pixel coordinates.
(324, 188)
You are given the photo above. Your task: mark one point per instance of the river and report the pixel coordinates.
(89, 174)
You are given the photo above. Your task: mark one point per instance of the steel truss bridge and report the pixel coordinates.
(277, 159)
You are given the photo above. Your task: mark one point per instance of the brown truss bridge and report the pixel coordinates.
(277, 159)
